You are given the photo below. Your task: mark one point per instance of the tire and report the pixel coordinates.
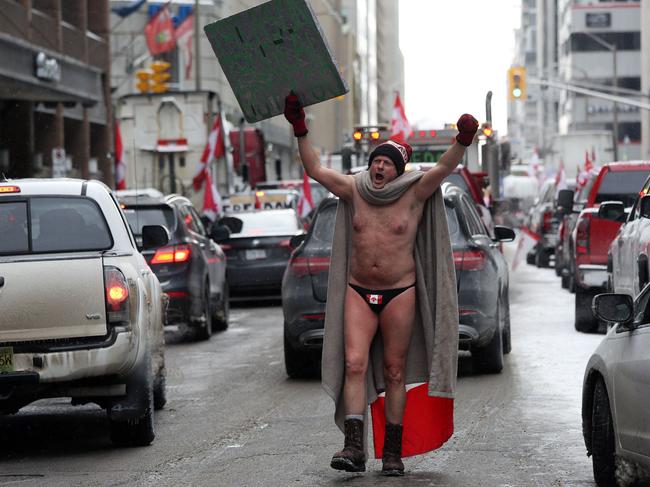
(603, 447)
(565, 281)
(543, 258)
(507, 335)
(584, 319)
(489, 359)
(530, 259)
(221, 317)
(204, 331)
(140, 431)
(159, 392)
(299, 364)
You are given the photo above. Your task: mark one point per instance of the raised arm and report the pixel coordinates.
(432, 179)
(339, 184)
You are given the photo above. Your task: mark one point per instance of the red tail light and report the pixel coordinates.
(225, 247)
(285, 244)
(172, 255)
(469, 260)
(117, 295)
(302, 266)
(546, 222)
(582, 234)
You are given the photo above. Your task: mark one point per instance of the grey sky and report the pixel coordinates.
(454, 53)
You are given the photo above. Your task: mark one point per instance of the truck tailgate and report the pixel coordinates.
(601, 235)
(52, 299)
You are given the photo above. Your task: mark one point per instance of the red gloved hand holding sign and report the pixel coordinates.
(295, 114)
(467, 127)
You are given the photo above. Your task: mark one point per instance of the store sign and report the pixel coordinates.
(47, 68)
(271, 49)
(599, 19)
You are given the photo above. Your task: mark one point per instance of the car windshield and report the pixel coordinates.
(267, 224)
(158, 215)
(455, 232)
(621, 186)
(60, 224)
(459, 181)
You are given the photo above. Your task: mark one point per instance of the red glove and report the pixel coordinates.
(294, 113)
(467, 127)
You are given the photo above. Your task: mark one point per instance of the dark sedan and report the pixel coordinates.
(258, 253)
(481, 273)
(191, 268)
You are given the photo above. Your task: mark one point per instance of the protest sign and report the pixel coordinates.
(271, 49)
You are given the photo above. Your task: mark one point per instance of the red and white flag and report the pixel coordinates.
(306, 202)
(184, 35)
(527, 240)
(560, 178)
(399, 124)
(120, 160)
(159, 32)
(583, 175)
(212, 203)
(214, 149)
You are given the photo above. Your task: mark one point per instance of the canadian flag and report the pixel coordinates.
(120, 160)
(527, 240)
(583, 176)
(212, 204)
(306, 202)
(184, 34)
(560, 178)
(399, 124)
(214, 149)
(374, 298)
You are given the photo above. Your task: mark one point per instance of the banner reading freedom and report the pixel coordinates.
(269, 50)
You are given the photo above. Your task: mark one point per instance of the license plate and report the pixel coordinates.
(255, 254)
(6, 359)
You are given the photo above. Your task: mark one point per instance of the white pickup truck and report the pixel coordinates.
(81, 312)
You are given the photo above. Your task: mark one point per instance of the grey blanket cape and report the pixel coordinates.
(433, 352)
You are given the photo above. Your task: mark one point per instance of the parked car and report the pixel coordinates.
(191, 267)
(82, 313)
(481, 273)
(627, 263)
(563, 249)
(318, 191)
(541, 220)
(559, 217)
(258, 251)
(615, 420)
(592, 236)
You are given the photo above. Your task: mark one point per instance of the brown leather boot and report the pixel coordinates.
(352, 457)
(392, 465)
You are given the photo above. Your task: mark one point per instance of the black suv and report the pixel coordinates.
(191, 268)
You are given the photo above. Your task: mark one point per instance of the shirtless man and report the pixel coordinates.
(381, 281)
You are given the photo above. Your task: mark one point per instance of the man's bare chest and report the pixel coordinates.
(399, 218)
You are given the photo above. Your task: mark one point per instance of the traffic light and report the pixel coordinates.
(160, 76)
(517, 83)
(486, 129)
(144, 80)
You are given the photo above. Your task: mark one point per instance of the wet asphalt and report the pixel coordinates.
(234, 418)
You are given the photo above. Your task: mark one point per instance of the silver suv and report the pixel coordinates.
(81, 313)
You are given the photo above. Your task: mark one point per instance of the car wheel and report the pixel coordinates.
(602, 438)
(530, 259)
(204, 331)
(221, 317)
(159, 392)
(564, 281)
(489, 359)
(140, 431)
(584, 318)
(543, 258)
(507, 337)
(299, 364)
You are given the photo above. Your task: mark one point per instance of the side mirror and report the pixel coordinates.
(154, 236)
(615, 308)
(233, 223)
(612, 210)
(565, 201)
(644, 206)
(296, 240)
(219, 233)
(503, 234)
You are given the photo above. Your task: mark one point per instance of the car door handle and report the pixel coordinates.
(2, 281)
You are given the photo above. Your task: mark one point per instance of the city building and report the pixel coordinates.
(600, 47)
(55, 108)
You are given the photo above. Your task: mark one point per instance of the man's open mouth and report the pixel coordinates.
(379, 177)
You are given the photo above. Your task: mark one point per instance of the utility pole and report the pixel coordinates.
(490, 152)
(197, 44)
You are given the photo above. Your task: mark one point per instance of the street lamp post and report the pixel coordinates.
(613, 50)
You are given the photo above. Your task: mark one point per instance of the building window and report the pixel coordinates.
(624, 41)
